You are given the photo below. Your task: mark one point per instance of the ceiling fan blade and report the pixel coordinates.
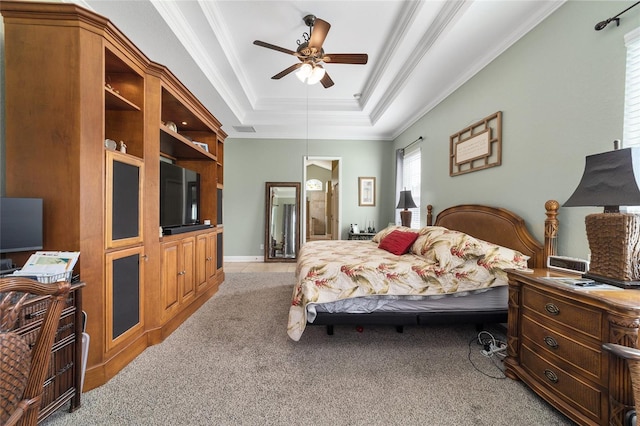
(274, 47)
(287, 71)
(319, 33)
(326, 81)
(346, 58)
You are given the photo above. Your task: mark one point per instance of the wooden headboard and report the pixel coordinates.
(503, 227)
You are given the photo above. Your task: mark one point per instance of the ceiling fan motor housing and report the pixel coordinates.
(309, 20)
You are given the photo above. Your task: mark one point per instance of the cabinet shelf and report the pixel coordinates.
(115, 101)
(177, 146)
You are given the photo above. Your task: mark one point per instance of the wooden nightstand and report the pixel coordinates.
(555, 336)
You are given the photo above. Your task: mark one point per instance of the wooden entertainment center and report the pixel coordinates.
(73, 80)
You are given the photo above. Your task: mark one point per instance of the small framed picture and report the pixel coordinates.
(204, 146)
(366, 191)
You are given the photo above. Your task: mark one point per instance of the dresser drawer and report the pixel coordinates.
(580, 318)
(61, 373)
(33, 311)
(66, 328)
(583, 395)
(584, 357)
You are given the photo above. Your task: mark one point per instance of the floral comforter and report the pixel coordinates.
(440, 261)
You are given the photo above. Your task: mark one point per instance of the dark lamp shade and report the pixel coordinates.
(610, 179)
(406, 201)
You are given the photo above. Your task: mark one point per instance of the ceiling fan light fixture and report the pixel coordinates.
(304, 72)
(310, 73)
(316, 75)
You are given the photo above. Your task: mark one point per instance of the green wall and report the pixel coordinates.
(561, 91)
(249, 163)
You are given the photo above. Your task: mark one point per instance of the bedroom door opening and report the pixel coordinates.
(321, 196)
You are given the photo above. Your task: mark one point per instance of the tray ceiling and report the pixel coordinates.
(419, 53)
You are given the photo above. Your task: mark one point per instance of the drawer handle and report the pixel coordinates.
(552, 309)
(35, 314)
(551, 342)
(551, 376)
(64, 368)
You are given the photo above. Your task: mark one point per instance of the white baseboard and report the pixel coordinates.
(232, 259)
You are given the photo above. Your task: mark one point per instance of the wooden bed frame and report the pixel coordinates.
(496, 225)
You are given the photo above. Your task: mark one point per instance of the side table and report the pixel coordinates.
(361, 235)
(554, 344)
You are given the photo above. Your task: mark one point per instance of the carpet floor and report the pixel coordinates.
(232, 363)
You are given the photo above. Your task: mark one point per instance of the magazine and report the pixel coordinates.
(49, 266)
(580, 283)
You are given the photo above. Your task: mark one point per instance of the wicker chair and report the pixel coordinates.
(23, 367)
(632, 355)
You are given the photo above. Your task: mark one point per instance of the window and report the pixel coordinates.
(409, 177)
(314, 185)
(631, 131)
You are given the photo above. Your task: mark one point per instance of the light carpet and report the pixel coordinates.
(232, 363)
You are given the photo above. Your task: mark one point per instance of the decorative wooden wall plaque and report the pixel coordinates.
(477, 147)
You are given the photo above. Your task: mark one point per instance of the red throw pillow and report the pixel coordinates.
(398, 242)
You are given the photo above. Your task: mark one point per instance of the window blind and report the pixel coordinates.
(411, 177)
(631, 128)
(631, 131)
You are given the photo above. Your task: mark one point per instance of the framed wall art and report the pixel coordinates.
(476, 147)
(366, 191)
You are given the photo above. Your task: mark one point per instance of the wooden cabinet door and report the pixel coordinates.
(201, 261)
(178, 274)
(125, 294)
(205, 260)
(211, 257)
(187, 276)
(123, 195)
(170, 269)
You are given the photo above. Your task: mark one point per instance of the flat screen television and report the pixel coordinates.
(179, 196)
(20, 224)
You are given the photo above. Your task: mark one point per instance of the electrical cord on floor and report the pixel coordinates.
(493, 349)
(491, 346)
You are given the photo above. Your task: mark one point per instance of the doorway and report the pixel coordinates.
(322, 198)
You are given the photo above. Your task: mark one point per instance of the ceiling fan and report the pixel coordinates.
(311, 54)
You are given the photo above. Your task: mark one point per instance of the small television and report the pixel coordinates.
(20, 224)
(179, 196)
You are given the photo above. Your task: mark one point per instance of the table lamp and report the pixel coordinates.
(612, 179)
(406, 202)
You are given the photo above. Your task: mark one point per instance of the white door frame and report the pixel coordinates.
(303, 200)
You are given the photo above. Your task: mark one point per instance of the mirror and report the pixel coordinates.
(282, 221)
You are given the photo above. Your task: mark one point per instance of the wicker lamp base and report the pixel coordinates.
(614, 241)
